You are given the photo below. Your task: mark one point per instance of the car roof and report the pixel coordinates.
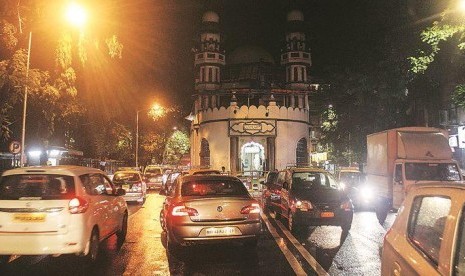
(128, 171)
(61, 169)
(440, 185)
(308, 169)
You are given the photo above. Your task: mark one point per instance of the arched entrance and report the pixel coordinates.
(252, 157)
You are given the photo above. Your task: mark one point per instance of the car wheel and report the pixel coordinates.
(91, 256)
(121, 233)
(162, 221)
(4, 259)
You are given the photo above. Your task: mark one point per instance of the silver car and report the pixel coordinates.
(209, 208)
(131, 181)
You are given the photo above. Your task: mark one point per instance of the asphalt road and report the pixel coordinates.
(318, 250)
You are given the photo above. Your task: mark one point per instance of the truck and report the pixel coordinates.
(401, 157)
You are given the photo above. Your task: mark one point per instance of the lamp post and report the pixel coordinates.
(76, 15)
(156, 111)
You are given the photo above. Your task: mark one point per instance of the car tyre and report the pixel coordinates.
(94, 244)
(121, 233)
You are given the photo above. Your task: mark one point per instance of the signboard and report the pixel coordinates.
(461, 135)
(15, 147)
(252, 127)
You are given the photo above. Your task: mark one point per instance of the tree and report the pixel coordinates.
(176, 147)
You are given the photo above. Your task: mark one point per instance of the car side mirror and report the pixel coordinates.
(120, 192)
(162, 192)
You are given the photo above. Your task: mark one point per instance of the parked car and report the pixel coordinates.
(209, 208)
(170, 179)
(131, 181)
(428, 234)
(353, 182)
(153, 176)
(55, 210)
(312, 197)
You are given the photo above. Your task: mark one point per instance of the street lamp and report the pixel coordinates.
(76, 15)
(156, 111)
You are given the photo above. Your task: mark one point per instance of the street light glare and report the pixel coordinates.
(157, 111)
(76, 14)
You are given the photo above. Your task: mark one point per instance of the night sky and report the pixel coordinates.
(158, 37)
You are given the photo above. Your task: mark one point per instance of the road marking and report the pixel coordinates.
(282, 245)
(310, 259)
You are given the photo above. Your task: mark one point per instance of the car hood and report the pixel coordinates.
(320, 195)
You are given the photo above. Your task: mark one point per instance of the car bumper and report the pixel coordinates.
(133, 197)
(196, 234)
(73, 242)
(315, 218)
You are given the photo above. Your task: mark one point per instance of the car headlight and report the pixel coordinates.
(366, 192)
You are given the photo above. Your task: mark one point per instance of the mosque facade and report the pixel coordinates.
(251, 112)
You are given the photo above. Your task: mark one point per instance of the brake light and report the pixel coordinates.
(347, 205)
(181, 211)
(78, 205)
(253, 208)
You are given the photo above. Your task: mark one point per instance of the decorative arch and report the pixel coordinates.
(301, 153)
(204, 153)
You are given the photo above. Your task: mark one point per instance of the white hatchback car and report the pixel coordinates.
(428, 235)
(57, 210)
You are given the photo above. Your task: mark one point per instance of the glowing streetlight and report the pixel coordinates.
(156, 111)
(76, 15)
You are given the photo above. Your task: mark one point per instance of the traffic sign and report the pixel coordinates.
(15, 147)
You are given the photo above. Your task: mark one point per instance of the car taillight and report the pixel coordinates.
(253, 208)
(346, 205)
(78, 205)
(181, 211)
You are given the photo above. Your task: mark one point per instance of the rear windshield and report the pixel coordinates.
(432, 171)
(312, 180)
(37, 186)
(153, 170)
(126, 177)
(213, 188)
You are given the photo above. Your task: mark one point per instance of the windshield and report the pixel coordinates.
(214, 188)
(350, 178)
(432, 171)
(313, 180)
(153, 170)
(37, 186)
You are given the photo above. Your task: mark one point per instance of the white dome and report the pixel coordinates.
(210, 16)
(295, 15)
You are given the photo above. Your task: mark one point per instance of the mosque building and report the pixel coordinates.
(251, 112)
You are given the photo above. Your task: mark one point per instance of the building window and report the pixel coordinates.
(305, 55)
(288, 77)
(199, 56)
(210, 74)
(302, 153)
(202, 74)
(295, 55)
(204, 153)
(302, 71)
(210, 55)
(426, 225)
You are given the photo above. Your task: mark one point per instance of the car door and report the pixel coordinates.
(101, 205)
(284, 182)
(115, 208)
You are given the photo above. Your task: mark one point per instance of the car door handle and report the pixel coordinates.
(396, 271)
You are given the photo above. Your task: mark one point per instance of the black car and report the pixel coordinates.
(270, 193)
(312, 197)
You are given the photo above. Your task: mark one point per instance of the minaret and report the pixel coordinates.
(296, 53)
(209, 54)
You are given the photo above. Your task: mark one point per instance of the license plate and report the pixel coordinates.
(220, 231)
(29, 217)
(327, 214)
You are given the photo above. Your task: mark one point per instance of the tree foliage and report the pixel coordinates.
(176, 146)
